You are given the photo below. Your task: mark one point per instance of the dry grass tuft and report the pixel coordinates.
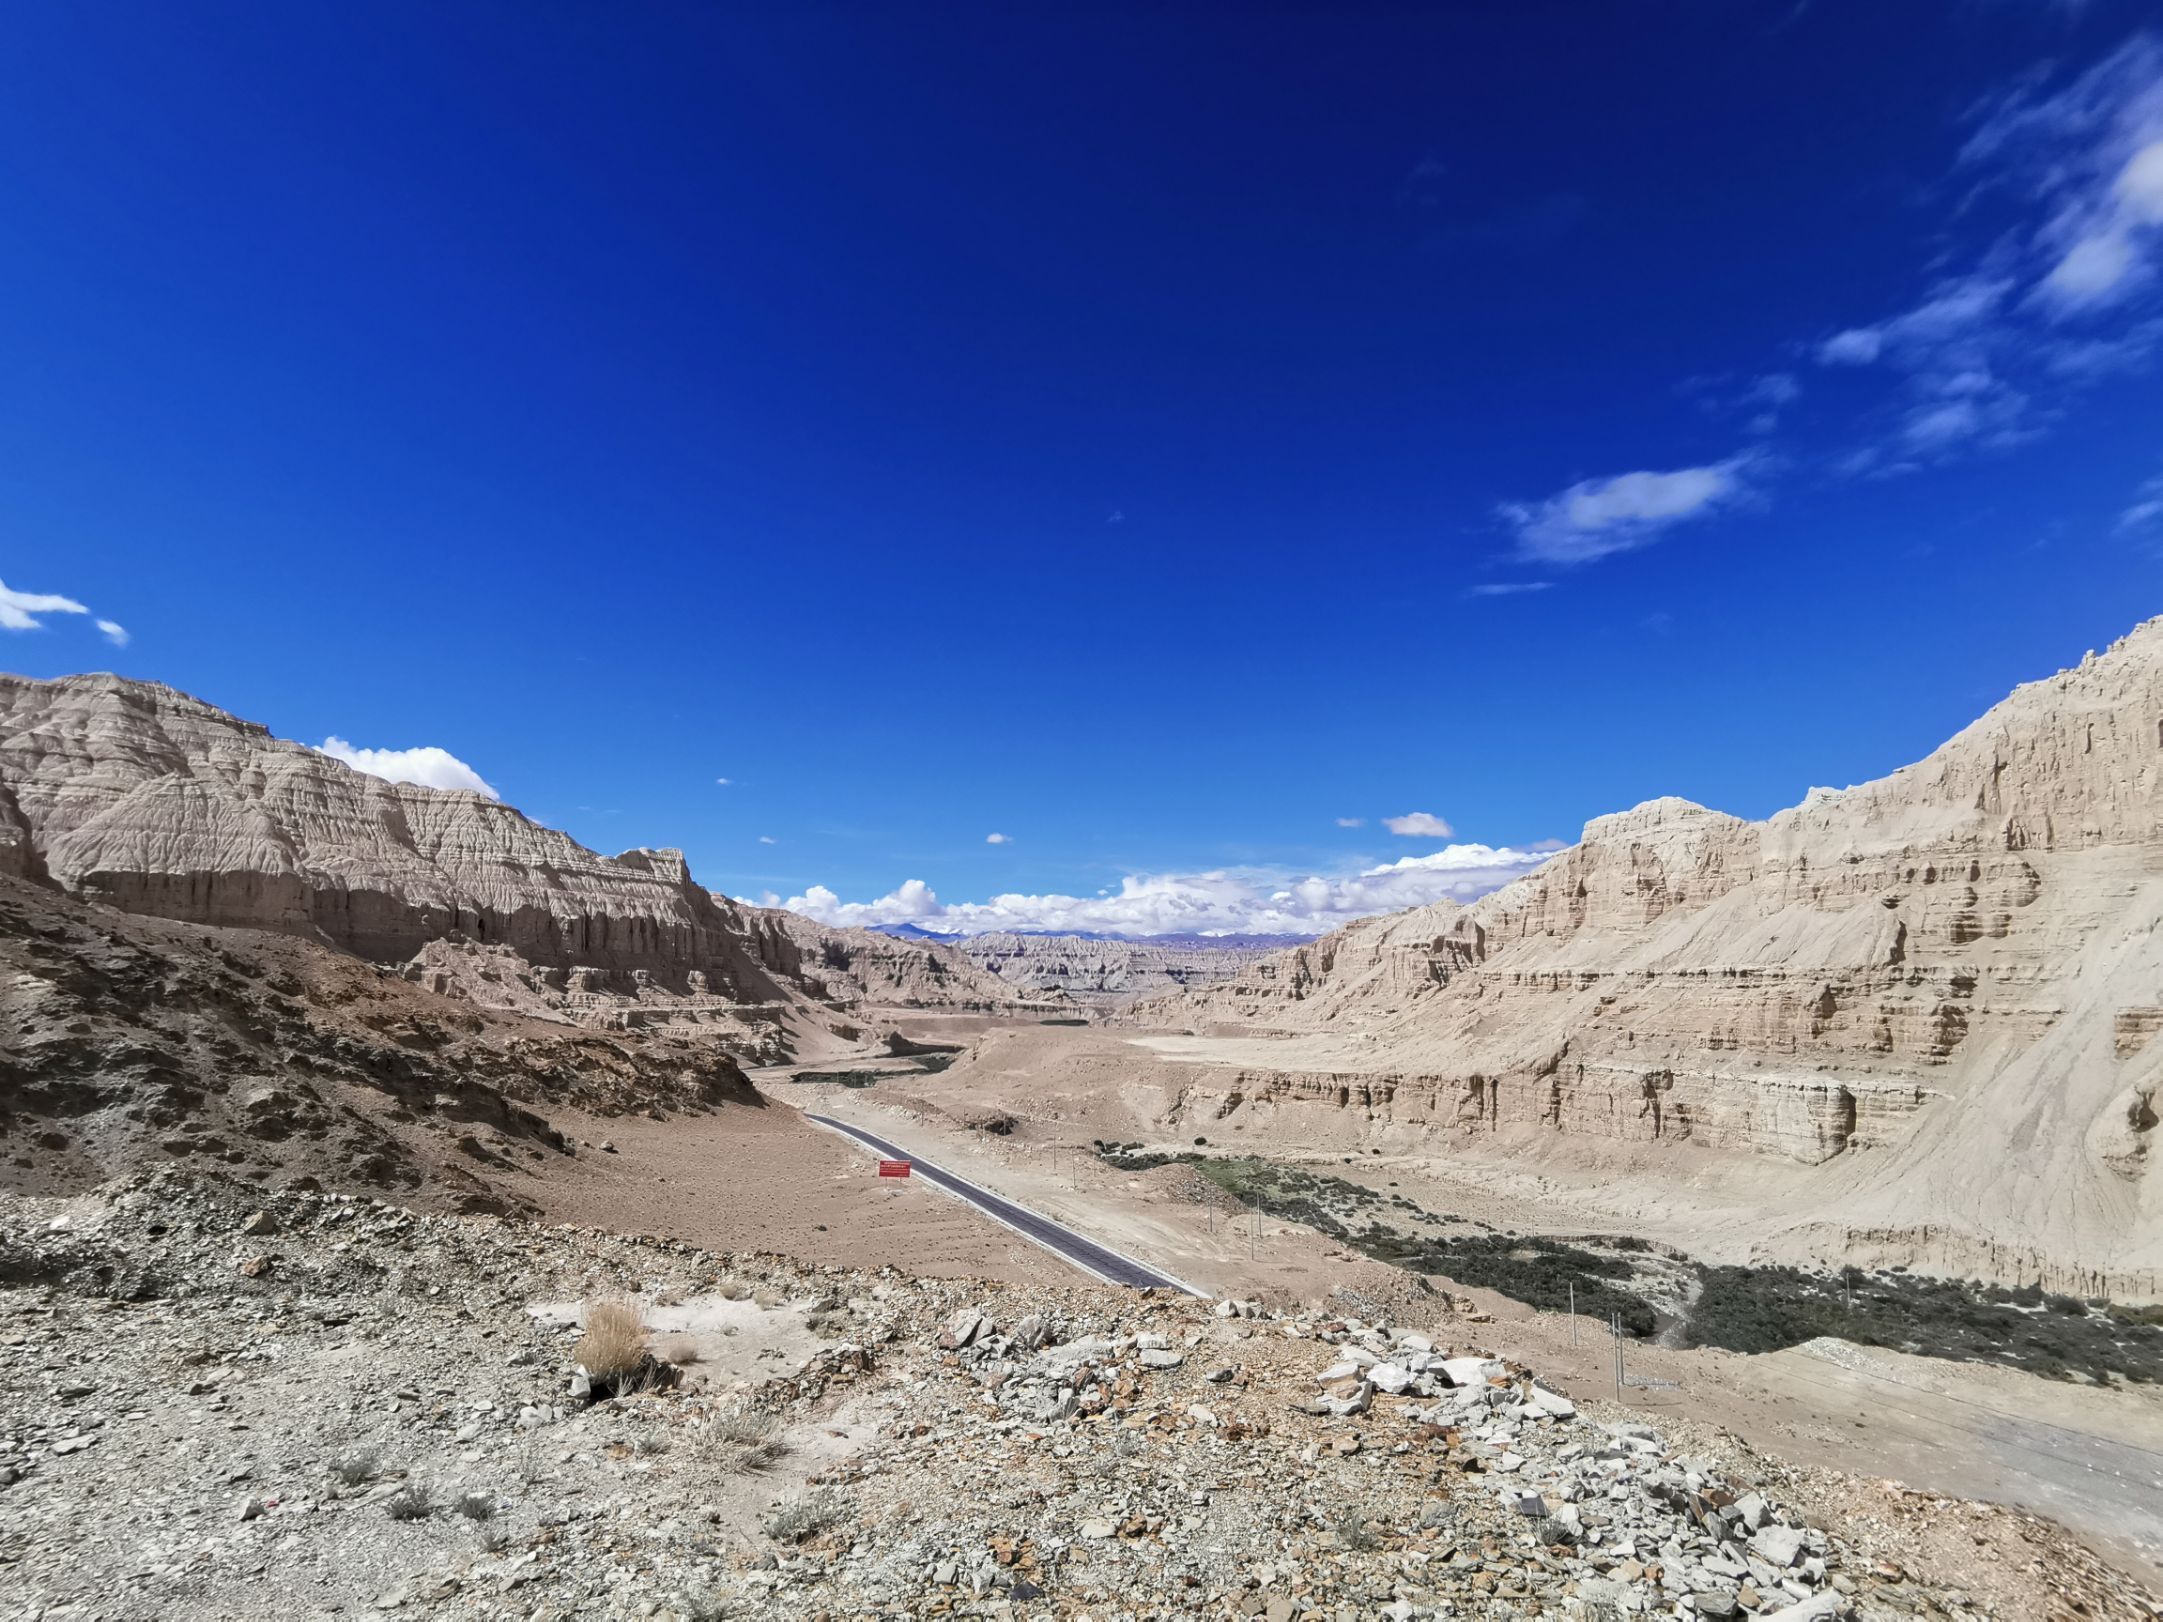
(796, 1519)
(742, 1439)
(613, 1348)
(357, 1467)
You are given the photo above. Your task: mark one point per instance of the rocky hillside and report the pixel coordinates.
(135, 795)
(1944, 986)
(212, 1389)
(1104, 970)
(131, 1040)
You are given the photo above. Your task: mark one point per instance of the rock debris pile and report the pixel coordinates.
(218, 1402)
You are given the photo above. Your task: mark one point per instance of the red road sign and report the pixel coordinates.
(893, 1168)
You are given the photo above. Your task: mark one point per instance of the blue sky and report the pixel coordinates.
(1176, 439)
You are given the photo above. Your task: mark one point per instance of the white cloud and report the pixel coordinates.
(1956, 311)
(427, 765)
(2146, 510)
(2095, 269)
(998, 839)
(2090, 152)
(768, 839)
(721, 782)
(1506, 588)
(1351, 822)
(1418, 825)
(1773, 389)
(1858, 346)
(1244, 900)
(19, 609)
(1596, 518)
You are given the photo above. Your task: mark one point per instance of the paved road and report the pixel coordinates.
(1065, 1243)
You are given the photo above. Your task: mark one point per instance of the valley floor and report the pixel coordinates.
(2087, 1455)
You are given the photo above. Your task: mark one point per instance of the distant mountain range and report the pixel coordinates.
(1178, 940)
(1099, 968)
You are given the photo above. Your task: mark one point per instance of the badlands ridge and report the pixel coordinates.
(1915, 1016)
(1939, 992)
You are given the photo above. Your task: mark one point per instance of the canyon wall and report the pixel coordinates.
(1942, 987)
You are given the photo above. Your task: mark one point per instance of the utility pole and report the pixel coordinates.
(1614, 1321)
(1573, 1315)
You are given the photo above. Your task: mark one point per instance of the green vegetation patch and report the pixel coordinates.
(1740, 1309)
(1539, 1272)
(839, 1078)
(1762, 1309)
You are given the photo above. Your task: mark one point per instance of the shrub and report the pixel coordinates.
(1355, 1531)
(744, 1439)
(612, 1350)
(795, 1519)
(357, 1466)
(475, 1506)
(412, 1502)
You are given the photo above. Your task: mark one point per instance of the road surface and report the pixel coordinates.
(1063, 1242)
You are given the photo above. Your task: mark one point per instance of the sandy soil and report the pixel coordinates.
(743, 1179)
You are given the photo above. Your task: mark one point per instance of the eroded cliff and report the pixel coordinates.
(1943, 986)
(142, 798)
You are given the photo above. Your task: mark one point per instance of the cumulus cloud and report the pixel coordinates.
(721, 782)
(998, 839)
(1351, 822)
(768, 839)
(1596, 518)
(427, 765)
(1418, 825)
(1228, 901)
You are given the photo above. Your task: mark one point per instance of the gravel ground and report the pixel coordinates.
(216, 1402)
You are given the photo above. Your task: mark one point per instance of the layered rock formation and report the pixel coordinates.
(1095, 970)
(1943, 986)
(145, 799)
